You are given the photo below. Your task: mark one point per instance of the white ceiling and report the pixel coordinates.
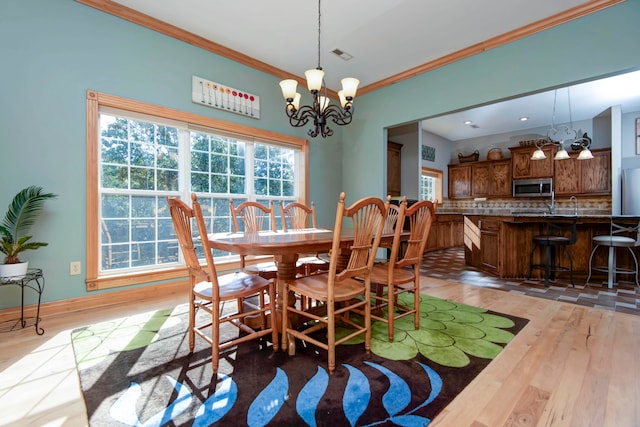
(587, 101)
(385, 37)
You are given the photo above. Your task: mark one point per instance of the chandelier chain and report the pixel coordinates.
(570, 118)
(319, 34)
(321, 110)
(553, 116)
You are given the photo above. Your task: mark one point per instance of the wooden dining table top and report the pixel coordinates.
(277, 242)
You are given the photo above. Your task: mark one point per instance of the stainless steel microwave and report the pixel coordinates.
(540, 187)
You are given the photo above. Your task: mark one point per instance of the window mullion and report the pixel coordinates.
(249, 171)
(184, 164)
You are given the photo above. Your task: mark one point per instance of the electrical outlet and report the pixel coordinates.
(75, 268)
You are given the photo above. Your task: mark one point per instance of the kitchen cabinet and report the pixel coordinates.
(566, 176)
(394, 169)
(501, 245)
(490, 244)
(491, 178)
(487, 255)
(523, 167)
(480, 179)
(459, 181)
(596, 173)
(501, 178)
(446, 232)
(583, 177)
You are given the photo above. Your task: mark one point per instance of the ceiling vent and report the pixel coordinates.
(342, 55)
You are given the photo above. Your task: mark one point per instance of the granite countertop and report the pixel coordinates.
(535, 213)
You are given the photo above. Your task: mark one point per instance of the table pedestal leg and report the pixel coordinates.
(286, 272)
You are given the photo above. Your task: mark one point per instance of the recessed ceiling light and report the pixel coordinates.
(467, 122)
(523, 119)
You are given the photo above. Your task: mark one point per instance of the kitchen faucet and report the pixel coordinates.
(575, 205)
(552, 206)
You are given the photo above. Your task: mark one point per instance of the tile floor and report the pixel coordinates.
(449, 265)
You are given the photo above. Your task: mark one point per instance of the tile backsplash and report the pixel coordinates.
(600, 205)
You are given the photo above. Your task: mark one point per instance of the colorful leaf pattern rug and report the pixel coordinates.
(137, 371)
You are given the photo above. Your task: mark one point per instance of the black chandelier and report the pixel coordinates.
(321, 110)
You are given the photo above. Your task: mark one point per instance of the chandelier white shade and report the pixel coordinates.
(321, 110)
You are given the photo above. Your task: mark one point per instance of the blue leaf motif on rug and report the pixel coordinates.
(269, 401)
(356, 395)
(266, 405)
(310, 396)
(124, 409)
(218, 404)
(398, 396)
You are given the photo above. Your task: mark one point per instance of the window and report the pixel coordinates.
(140, 157)
(431, 185)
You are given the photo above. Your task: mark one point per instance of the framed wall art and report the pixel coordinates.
(428, 153)
(223, 97)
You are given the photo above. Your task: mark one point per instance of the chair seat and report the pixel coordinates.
(232, 286)
(551, 240)
(267, 270)
(618, 241)
(380, 274)
(313, 260)
(316, 285)
(311, 265)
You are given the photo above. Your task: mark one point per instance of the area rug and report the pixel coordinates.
(137, 371)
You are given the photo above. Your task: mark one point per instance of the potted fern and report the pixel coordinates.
(21, 214)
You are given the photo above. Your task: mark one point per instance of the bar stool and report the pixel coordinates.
(613, 241)
(557, 235)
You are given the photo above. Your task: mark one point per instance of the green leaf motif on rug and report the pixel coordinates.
(94, 343)
(449, 332)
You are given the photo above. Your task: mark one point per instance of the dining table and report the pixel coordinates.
(285, 247)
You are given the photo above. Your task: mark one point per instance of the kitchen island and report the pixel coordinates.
(501, 243)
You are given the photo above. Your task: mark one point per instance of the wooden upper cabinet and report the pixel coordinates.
(491, 178)
(566, 176)
(481, 179)
(570, 176)
(573, 176)
(523, 167)
(596, 173)
(459, 181)
(501, 178)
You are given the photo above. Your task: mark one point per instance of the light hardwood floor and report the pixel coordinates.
(570, 366)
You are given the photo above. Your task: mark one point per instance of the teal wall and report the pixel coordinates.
(52, 52)
(596, 45)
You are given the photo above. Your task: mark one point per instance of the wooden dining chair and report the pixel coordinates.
(401, 273)
(393, 211)
(254, 295)
(296, 216)
(254, 217)
(342, 292)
